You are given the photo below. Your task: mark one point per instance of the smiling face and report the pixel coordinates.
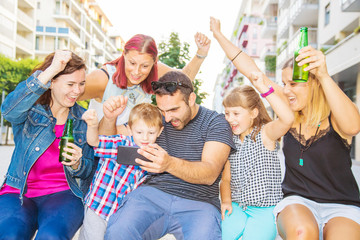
(296, 92)
(144, 134)
(66, 89)
(175, 109)
(137, 66)
(240, 119)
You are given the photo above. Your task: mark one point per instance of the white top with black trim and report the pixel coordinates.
(255, 173)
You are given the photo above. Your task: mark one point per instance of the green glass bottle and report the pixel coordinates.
(66, 137)
(299, 75)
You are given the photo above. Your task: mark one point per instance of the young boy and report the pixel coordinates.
(112, 181)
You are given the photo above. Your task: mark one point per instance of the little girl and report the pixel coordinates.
(251, 182)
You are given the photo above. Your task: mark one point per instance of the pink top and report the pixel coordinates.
(47, 174)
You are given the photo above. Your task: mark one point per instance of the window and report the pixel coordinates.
(254, 49)
(327, 14)
(255, 33)
(37, 39)
(38, 5)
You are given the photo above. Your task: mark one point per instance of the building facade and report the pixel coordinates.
(17, 24)
(334, 27)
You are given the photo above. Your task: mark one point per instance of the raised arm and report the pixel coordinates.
(278, 127)
(343, 110)
(92, 132)
(112, 108)
(193, 67)
(19, 101)
(243, 62)
(206, 171)
(95, 85)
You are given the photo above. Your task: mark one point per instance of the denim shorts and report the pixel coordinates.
(323, 212)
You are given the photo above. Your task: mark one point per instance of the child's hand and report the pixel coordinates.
(257, 79)
(226, 208)
(114, 106)
(90, 117)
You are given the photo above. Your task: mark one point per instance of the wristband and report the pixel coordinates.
(271, 90)
(201, 56)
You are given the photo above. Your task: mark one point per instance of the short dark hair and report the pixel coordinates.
(186, 87)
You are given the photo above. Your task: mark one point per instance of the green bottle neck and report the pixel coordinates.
(303, 38)
(68, 128)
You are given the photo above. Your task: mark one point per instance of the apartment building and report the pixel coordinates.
(78, 25)
(17, 24)
(247, 33)
(334, 27)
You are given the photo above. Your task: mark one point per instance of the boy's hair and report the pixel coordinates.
(318, 108)
(246, 97)
(147, 112)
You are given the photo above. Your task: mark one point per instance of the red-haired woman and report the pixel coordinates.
(132, 73)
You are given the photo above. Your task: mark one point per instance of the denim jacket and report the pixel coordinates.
(33, 127)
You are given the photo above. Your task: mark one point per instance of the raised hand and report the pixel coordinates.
(114, 106)
(215, 25)
(202, 43)
(61, 58)
(316, 60)
(90, 117)
(257, 79)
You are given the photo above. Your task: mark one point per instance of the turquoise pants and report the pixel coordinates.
(255, 223)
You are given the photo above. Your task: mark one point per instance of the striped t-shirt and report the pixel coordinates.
(188, 144)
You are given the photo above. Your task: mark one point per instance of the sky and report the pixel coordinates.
(158, 18)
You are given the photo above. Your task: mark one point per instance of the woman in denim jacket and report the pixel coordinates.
(39, 192)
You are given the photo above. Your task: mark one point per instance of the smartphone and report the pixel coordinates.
(126, 155)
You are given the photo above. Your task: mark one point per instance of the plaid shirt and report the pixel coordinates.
(112, 181)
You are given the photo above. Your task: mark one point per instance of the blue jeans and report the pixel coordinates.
(254, 223)
(148, 213)
(55, 216)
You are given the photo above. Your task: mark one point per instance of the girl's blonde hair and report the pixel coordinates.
(246, 97)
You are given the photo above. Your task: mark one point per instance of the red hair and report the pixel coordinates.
(143, 44)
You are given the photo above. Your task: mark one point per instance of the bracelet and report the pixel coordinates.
(240, 51)
(271, 90)
(201, 56)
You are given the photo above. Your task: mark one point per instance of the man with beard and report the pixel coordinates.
(181, 195)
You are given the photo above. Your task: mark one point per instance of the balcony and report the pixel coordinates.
(304, 12)
(68, 15)
(26, 23)
(350, 5)
(8, 5)
(60, 32)
(24, 46)
(283, 25)
(268, 50)
(270, 27)
(283, 3)
(268, 7)
(27, 3)
(288, 51)
(344, 54)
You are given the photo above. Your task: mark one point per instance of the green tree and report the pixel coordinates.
(11, 73)
(176, 54)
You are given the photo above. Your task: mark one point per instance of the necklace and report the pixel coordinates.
(307, 146)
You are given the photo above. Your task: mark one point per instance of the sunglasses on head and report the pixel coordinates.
(168, 86)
